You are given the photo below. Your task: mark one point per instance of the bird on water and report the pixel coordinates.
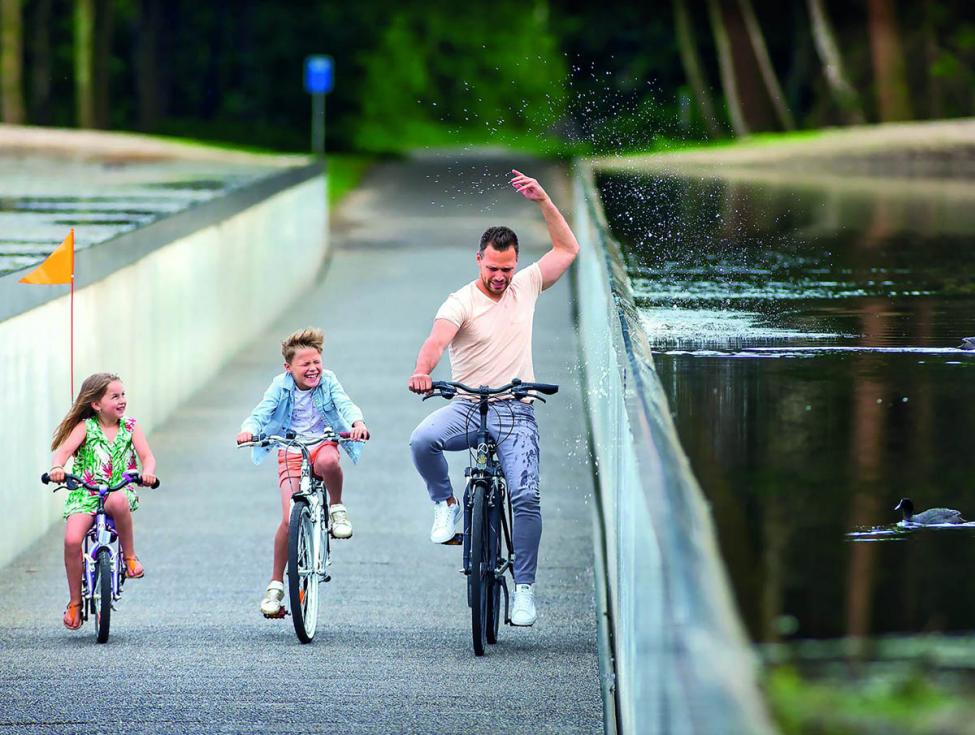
(930, 517)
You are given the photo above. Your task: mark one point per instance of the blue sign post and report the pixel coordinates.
(319, 79)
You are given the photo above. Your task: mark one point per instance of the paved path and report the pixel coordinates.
(189, 650)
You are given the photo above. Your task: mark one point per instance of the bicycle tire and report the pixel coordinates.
(480, 579)
(302, 580)
(103, 606)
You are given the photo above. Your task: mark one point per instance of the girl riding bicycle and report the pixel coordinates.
(104, 443)
(304, 399)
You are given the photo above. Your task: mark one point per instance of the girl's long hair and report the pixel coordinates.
(91, 390)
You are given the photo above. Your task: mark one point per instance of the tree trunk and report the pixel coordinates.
(11, 62)
(727, 66)
(691, 61)
(844, 95)
(772, 86)
(101, 61)
(890, 76)
(932, 51)
(147, 64)
(84, 31)
(40, 63)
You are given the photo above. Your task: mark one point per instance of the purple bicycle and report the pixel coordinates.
(103, 573)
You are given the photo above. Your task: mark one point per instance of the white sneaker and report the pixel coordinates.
(273, 603)
(523, 605)
(341, 526)
(445, 517)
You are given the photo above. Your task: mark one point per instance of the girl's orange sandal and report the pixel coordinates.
(72, 616)
(134, 568)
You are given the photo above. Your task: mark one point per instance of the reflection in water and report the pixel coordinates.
(808, 342)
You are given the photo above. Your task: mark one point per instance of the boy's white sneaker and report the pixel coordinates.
(523, 606)
(339, 516)
(445, 517)
(272, 605)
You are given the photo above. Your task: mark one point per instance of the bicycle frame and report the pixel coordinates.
(102, 534)
(486, 470)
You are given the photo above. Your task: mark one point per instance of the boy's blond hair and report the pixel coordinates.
(310, 338)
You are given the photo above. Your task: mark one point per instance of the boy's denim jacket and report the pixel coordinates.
(273, 414)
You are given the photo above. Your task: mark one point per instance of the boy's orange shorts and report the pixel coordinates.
(289, 463)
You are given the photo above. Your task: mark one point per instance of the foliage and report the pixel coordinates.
(556, 76)
(900, 701)
(344, 174)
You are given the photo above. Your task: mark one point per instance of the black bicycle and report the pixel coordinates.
(487, 511)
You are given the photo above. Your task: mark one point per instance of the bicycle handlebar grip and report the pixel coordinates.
(546, 388)
(45, 478)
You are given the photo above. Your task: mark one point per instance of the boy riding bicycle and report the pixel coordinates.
(304, 399)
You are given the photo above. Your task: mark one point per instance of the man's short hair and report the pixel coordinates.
(499, 238)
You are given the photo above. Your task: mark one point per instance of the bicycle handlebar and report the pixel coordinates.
(73, 481)
(291, 439)
(517, 387)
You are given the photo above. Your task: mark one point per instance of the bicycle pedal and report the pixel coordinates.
(457, 540)
(277, 616)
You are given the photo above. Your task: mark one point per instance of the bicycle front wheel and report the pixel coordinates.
(302, 575)
(481, 579)
(103, 595)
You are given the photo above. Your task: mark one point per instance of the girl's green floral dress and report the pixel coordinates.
(99, 462)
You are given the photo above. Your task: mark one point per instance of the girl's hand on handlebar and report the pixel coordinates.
(245, 436)
(359, 431)
(148, 479)
(420, 383)
(56, 474)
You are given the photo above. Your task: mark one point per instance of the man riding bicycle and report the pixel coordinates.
(487, 325)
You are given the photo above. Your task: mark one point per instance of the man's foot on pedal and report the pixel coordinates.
(523, 606)
(445, 517)
(341, 526)
(272, 605)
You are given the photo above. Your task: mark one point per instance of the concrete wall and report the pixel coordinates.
(682, 661)
(164, 318)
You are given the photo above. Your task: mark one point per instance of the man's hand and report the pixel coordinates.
(359, 432)
(528, 187)
(244, 436)
(420, 383)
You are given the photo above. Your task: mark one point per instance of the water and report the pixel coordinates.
(807, 336)
(41, 198)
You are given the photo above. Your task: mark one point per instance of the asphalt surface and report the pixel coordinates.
(189, 650)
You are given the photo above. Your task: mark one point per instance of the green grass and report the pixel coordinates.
(898, 701)
(345, 171)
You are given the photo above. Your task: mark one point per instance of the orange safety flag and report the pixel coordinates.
(58, 268)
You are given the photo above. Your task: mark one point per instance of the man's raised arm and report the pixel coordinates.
(430, 353)
(564, 245)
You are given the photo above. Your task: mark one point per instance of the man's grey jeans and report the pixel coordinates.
(512, 426)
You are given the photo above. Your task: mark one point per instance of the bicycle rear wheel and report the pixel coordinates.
(302, 577)
(481, 579)
(103, 595)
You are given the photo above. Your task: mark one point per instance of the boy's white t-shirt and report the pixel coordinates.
(494, 341)
(306, 420)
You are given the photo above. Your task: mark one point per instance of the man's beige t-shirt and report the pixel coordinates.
(494, 341)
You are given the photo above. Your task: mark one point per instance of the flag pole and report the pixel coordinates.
(71, 330)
